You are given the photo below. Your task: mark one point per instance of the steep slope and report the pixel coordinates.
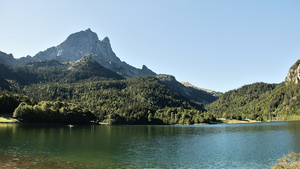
(293, 74)
(83, 43)
(191, 93)
(235, 102)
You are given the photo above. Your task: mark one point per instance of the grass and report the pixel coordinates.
(7, 118)
(234, 121)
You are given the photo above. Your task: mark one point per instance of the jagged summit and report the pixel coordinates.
(7, 59)
(106, 40)
(87, 35)
(84, 56)
(80, 44)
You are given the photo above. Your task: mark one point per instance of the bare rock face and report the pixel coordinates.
(86, 42)
(294, 73)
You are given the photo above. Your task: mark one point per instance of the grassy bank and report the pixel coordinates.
(7, 118)
(234, 121)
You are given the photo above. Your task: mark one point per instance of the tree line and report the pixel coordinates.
(260, 101)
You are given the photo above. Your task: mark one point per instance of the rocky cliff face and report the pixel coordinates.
(83, 43)
(294, 73)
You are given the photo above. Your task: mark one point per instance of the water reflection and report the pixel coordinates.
(209, 146)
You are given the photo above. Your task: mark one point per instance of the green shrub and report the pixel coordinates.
(290, 161)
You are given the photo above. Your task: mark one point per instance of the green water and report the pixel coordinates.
(209, 146)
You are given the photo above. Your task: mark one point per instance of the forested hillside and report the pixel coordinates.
(86, 86)
(140, 100)
(196, 95)
(83, 75)
(261, 101)
(54, 71)
(82, 56)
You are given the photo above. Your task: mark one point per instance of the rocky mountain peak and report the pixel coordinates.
(80, 38)
(294, 73)
(145, 71)
(84, 43)
(144, 67)
(105, 40)
(7, 59)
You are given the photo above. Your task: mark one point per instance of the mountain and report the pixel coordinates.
(50, 65)
(8, 76)
(262, 101)
(191, 93)
(234, 101)
(78, 45)
(45, 71)
(8, 59)
(214, 93)
(88, 68)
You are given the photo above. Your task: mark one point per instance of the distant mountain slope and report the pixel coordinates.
(78, 45)
(263, 101)
(9, 74)
(50, 65)
(214, 93)
(87, 68)
(191, 93)
(54, 71)
(8, 59)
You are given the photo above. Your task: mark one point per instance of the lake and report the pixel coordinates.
(256, 145)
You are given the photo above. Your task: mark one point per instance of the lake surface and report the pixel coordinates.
(256, 145)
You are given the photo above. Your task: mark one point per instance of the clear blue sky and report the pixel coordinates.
(214, 44)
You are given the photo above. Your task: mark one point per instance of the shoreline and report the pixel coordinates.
(10, 120)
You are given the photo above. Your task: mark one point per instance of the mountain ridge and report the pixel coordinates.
(80, 44)
(214, 93)
(76, 46)
(194, 94)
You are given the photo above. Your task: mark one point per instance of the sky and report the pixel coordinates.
(214, 44)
